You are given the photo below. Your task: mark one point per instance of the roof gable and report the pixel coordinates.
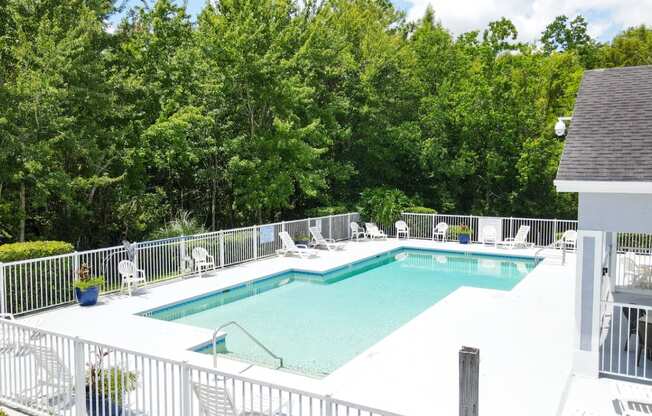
(610, 137)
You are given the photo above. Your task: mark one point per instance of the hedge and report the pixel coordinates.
(326, 211)
(33, 249)
(420, 210)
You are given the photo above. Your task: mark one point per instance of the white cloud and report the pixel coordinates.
(531, 16)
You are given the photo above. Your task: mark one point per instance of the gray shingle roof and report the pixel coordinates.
(610, 136)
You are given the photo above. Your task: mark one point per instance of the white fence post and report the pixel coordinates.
(282, 226)
(330, 226)
(469, 381)
(136, 255)
(75, 263)
(3, 290)
(255, 241)
(80, 377)
(182, 254)
(348, 226)
(186, 390)
(221, 248)
(328, 405)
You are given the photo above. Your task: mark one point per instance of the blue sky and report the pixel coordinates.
(606, 17)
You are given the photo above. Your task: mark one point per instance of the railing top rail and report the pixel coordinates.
(238, 377)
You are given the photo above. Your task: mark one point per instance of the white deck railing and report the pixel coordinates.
(626, 340)
(48, 373)
(36, 284)
(542, 231)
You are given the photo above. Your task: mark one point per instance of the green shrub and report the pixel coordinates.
(184, 224)
(420, 210)
(383, 205)
(33, 249)
(326, 211)
(2, 413)
(454, 231)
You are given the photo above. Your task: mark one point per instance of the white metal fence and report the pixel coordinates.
(45, 373)
(36, 284)
(626, 340)
(542, 231)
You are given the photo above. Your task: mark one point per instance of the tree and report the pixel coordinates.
(571, 35)
(631, 48)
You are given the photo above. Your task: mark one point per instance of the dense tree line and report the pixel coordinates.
(262, 109)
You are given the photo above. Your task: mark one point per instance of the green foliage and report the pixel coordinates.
(420, 210)
(107, 381)
(183, 224)
(33, 249)
(325, 211)
(455, 231)
(89, 283)
(383, 205)
(3, 413)
(262, 109)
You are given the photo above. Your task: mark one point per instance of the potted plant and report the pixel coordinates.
(87, 288)
(464, 234)
(107, 388)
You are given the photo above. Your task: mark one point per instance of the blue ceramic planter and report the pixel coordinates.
(87, 297)
(464, 238)
(101, 406)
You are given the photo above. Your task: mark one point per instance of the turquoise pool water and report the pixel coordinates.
(318, 322)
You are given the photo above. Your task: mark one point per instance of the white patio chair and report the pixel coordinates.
(440, 231)
(214, 400)
(489, 235)
(319, 240)
(289, 247)
(519, 241)
(402, 229)
(218, 399)
(357, 232)
(373, 232)
(637, 274)
(131, 275)
(569, 239)
(54, 385)
(202, 259)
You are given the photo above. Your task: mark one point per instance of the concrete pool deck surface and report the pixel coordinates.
(524, 336)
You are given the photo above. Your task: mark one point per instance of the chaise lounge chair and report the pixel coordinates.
(519, 241)
(223, 398)
(373, 231)
(319, 240)
(289, 247)
(489, 235)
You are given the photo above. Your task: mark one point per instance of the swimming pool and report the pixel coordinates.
(318, 322)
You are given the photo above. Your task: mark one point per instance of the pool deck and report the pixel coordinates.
(524, 336)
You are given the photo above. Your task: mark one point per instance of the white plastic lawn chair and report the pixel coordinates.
(202, 259)
(357, 232)
(54, 386)
(569, 239)
(131, 275)
(373, 231)
(519, 241)
(319, 240)
(289, 247)
(402, 229)
(638, 275)
(440, 231)
(489, 235)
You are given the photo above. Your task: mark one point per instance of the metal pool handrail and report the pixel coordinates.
(553, 245)
(253, 338)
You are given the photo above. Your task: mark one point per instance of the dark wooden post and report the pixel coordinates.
(469, 381)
